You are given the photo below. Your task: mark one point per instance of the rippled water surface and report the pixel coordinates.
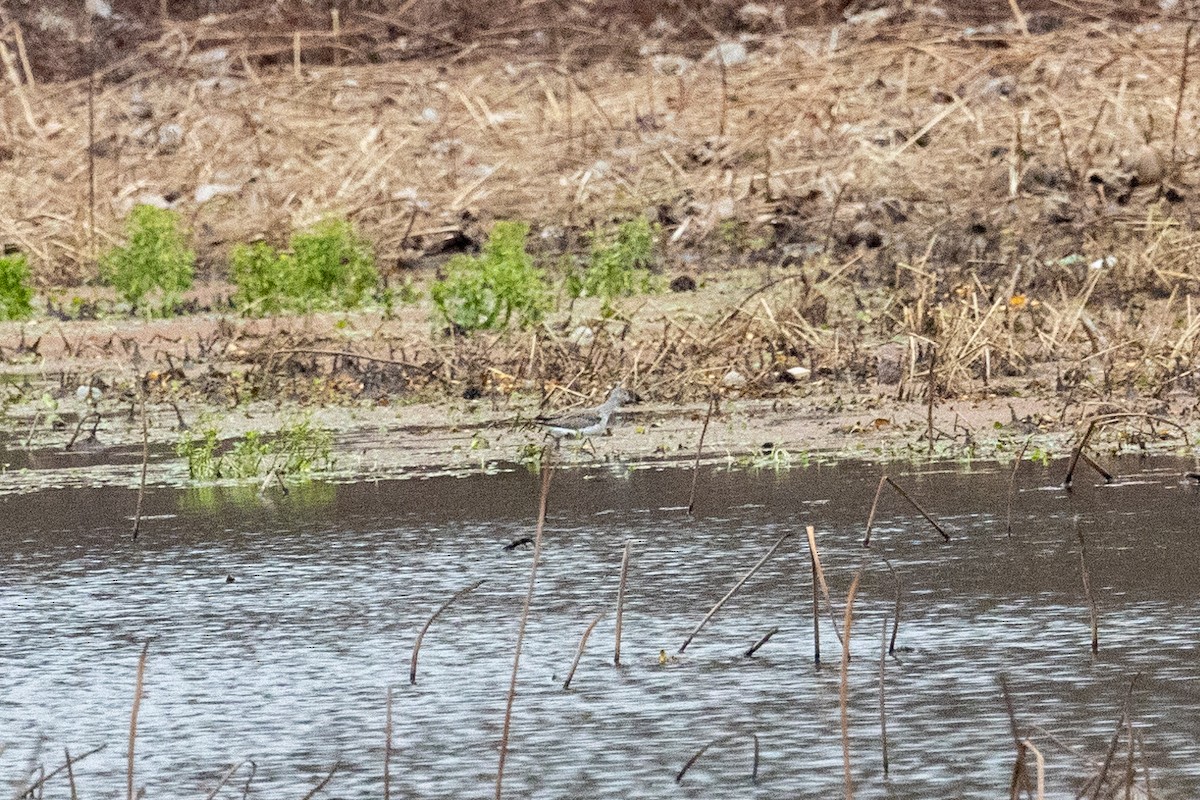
(289, 664)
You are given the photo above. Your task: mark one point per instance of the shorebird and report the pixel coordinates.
(586, 424)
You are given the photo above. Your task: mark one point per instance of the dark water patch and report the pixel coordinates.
(289, 664)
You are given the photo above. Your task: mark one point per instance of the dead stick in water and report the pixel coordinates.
(896, 618)
(1020, 776)
(141, 496)
(620, 606)
(920, 510)
(133, 718)
(712, 401)
(844, 684)
(1041, 768)
(68, 766)
(731, 592)
(1116, 737)
(387, 748)
(1087, 590)
(820, 580)
(883, 651)
(874, 505)
(1077, 452)
(412, 668)
(70, 774)
(324, 781)
(720, 740)
(579, 652)
(761, 642)
(547, 474)
(1012, 486)
(1091, 462)
(229, 773)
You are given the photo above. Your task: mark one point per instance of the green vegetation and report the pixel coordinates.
(328, 266)
(488, 291)
(15, 294)
(155, 260)
(619, 266)
(294, 450)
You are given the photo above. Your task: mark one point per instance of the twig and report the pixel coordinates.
(324, 781)
(141, 496)
(133, 718)
(229, 773)
(874, 505)
(896, 615)
(620, 605)
(1020, 776)
(68, 766)
(1012, 485)
(71, 774)
(883, 651)
(761, 642)
(412, 669)
(1087, 590)
(579, 652)
(1112, 747)
(547, 474)
(731, 592)
(1041, 768)
(712, 401)
(844, 684)
(720, 740)
(870, 521)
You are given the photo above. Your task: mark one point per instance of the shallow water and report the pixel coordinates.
(290, 664)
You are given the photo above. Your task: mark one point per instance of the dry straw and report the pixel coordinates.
(412, 668)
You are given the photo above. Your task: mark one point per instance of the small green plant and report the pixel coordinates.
(487, 292)
(619, 266)
(15, 294)
(328, 266)
(294, 450)
(156, 259)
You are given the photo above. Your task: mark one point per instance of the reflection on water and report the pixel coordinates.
(290, 663)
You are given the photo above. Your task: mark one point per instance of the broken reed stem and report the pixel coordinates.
(1019, 776)
(712, 401)
(1012, 486)
(1041, 768)
(70, 774)
(721, 740)
(324, 781)
(883, 651)
(68, 766)
(1183, 76)
(133, 718)
(874, 505)
(141, 496)
(547, 474)
(387, 748)
(761, 642)
(412, 668)
(1091, 462)
(871, 518)
(1116, 737)
(816, 596)
(229, 773)
(820, 580)
(1077, 452)
(732, 591)
(579, 652)
(844, 684)
(620, 608)
(1087, 590)
(896, 616)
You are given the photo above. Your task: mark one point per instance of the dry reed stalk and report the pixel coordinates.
(721, 740)
(22, 96)
(133, 719)
(141, 496)
(70, 774)
(712, 401)
(1041, 768)
(324, 781)
(1183, 76)
(844, 685)
(896, 613)
(1012, 485)
(874, 506)
(732, 591)
(1087, 590)
(761, 642)
(1020, 775)
(932, 397)
(412, 668)
(547, 474)
(1126, 710)
(817, 579)
(871, 519)
(620, 606)
(883, 651)
(1091, 462)
(67, 766)
(229, 773)
(579, 651)
(387, 748)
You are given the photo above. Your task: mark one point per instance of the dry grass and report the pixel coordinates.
(918, 185)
